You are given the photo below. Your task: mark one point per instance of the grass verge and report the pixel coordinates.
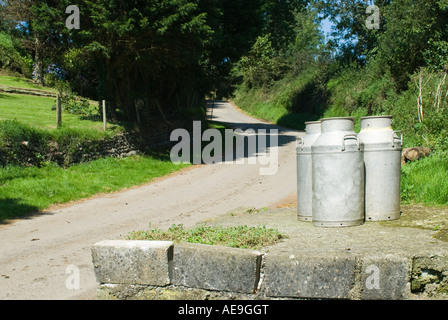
(290, 102)
(425, 181)
(235, 237)
(26, 190)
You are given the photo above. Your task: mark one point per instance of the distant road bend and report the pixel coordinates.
(38, 254)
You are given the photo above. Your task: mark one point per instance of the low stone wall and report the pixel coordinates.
(32, 153)
(155, 270)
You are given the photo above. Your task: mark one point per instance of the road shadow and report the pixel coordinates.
(248, 139)
(11, 209)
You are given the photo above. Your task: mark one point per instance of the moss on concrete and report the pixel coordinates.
(138, 292)
(430, 276)
(423, 217)
(442, 235)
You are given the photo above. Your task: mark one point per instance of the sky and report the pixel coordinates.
(326, 27)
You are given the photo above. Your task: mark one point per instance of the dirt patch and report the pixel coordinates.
(289, 202)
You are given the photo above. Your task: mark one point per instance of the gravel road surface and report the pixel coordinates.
(40, 256)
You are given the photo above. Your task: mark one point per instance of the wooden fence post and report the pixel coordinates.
(58, 111)
(104, 115)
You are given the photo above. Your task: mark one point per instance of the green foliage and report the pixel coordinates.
(10, 57)
(261, 67)
(429, 131)
(133, 47)
(436, 56)
(356, 87)
(73, 104)
(305, 48)
(166, 53)
(410, 26)
(20, 143)
(351, 39)
(236, 237)
(288, 85)
(281, 21)
(289, 102)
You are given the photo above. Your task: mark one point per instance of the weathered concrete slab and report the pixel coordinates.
(386, 261)
(385, 277)
(133, 262)
(407, 258)
(216, 268)
(301, 276)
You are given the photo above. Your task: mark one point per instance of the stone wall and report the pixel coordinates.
(155, 270)
(76, 150)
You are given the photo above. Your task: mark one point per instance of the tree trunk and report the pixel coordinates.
(38, 75)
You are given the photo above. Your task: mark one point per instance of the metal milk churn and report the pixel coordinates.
(338, 175)
(382, 158)
(304, 171)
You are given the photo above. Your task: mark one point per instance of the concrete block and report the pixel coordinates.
(133, 262)
(304, 276)
(385, 277)
(216, 268)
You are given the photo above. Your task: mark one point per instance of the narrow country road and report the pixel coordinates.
(37, 255)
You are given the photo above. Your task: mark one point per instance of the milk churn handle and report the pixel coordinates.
(352, 135)
(299, 143)
(393, 138)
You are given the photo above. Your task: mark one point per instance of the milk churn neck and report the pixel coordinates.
(376, 122)
(313, 127)
(338, 124)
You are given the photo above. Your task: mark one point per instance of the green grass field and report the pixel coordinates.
(37, 112)
(425, 181)
(25, 190)
(17, 82)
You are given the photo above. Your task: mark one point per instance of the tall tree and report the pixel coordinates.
(39, 24)
(413, 29)
(352, 38)
(281, 22)
(146, 50)
(236, 25)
